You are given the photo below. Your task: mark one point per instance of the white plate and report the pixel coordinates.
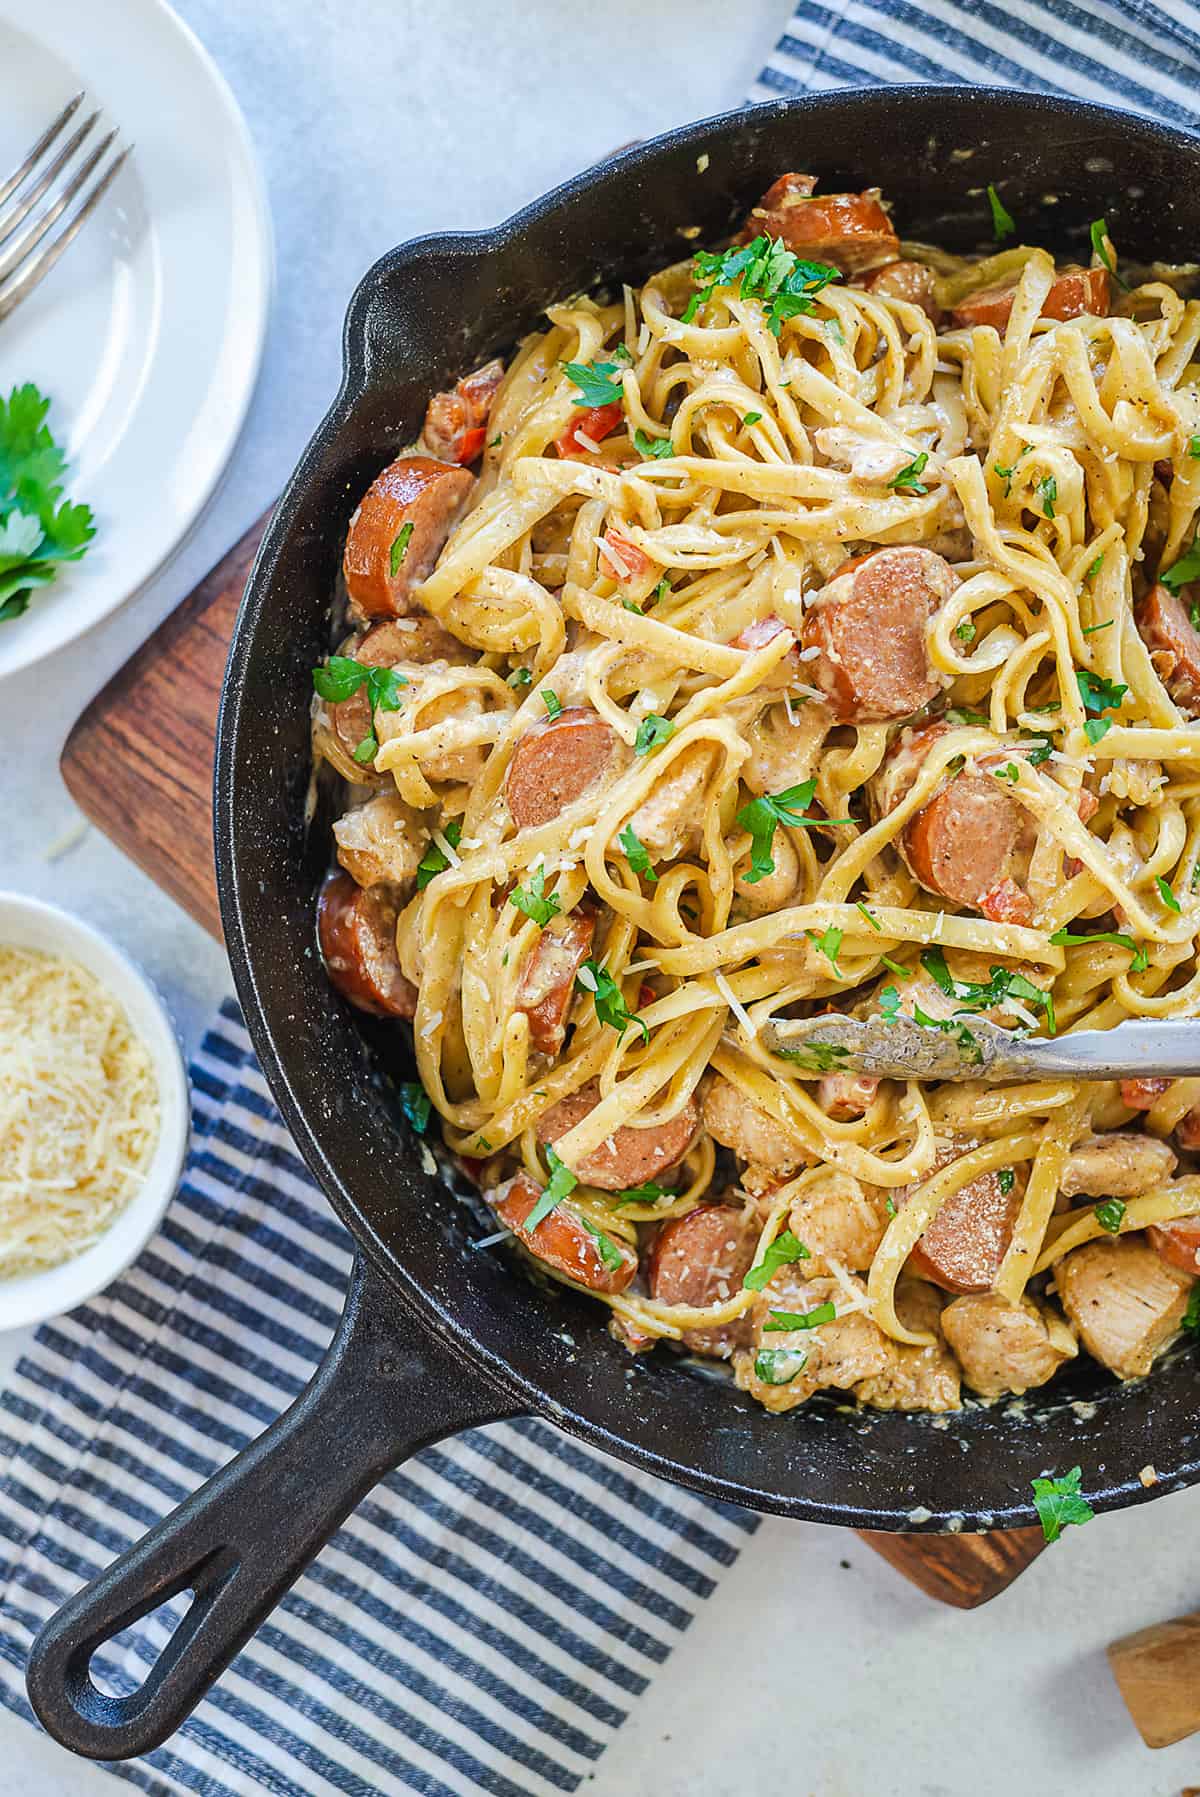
(148, 335)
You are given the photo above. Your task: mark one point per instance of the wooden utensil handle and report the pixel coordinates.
(1158, 1674)
(139, 764)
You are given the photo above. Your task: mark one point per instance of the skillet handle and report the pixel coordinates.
(385, 1389)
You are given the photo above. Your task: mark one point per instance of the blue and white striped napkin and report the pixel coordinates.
(453, 1637)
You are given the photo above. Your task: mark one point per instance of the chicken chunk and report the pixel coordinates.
(1125, 1301)
(1005, 1347)
(841, 1219)
(917, 1378)
(382, 840)
(798, 1362)
(734, 1121)
(668, 822)
(1120, 1165)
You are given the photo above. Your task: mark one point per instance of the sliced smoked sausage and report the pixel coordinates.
(1165, 626)
(419, 639)
(1143, 1094)
(1178, 1243)
(702, 1259)
(962, 1249)
(356, 928)
(1076, 292)
(630, 1156)
(850, 230)
(547, 980)
(562, 1239)
(381, 564)
(456, 421)
(910, 281)
(971, 841)
(555, 763)
(869, 626)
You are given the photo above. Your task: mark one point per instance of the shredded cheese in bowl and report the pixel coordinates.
(79, 1110)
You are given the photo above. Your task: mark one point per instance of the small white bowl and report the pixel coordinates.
(32, 1297)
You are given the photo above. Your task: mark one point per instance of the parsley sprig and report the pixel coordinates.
(534, 900)
(782, 1320)
(433, 861)
(1074, 939)
(1003, 223)
(764, 269)
(342, 676)
(636, 853)
(1100, 243)
(909, 478)
(1059, 1502)
(561, 1184)
(763, 816)
(609, 999)
(978, 995)
(38, 528)
(785, 1249)
(1186, 569)
(599, 383)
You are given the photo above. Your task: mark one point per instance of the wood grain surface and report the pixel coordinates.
(139, 764)
(1158, 1674)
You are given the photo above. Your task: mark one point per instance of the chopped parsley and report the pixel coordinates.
(890, 1207)
(1006, 1179)
(815, 1057)
(1040, 747)
(1098, 694)
(38, 528)
(1099, 245)
(889, 1004)
(968, 1043)
(751, 418)
(635, 853)
(652, 447)
(1194, 448)
(1165, 894)
(521, 677)
(978, 995)
(559, 1185)
(341, 677)
(957, 715)
(1096, 728)
(764, 269)
(610, 1255)
(1091, 572)
(1110, 1215)
(1048, 489)
(1003, 223)
(433, 861)
(552, 702)
(599, 384)
(1072, 939)
(762, 817)
(965, 632)
(901, 972)
(779, 1366)
(609, 1000)
(650, 1193)
(652, 733)
(399, 548)
(829, 943)
(662, 589)
(782, 1320)
(1185, 569)
(534, 901)
(1094, 629)
(1059, 1502)
(416, 1104)
(1191, 1320)
(909, 478)
(1010, 772)
(872, 920)
(785, 1249)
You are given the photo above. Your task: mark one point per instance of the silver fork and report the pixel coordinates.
(52, 174)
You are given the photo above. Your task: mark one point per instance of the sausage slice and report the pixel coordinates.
(556, 762)
(962, 1249)
(1143, 1094)
(630, 1156)
(356, 929)
(562, 1239)
(971, 841)
(1178, 1243)
(456, 421)
(419, 639)
(381, 568)
(869, 626)
(1076, 292)
(700, 1259)
(850, 230)
(910, 281)
(1165, 626)
(548, 978)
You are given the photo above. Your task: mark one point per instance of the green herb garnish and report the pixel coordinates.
(1097, 693)
(751, 418)
(779, 1366)
(552, 702)
(785, 1249)
(1091, 572)
(599, 384)
(872, 920)
(764, 269)
(1165, 894)
(1187, 568)
(1048, 489)
(815, 1057)
(560, 1184)
(1006, 1179)
(1110, 1215)
(1059, 1503)
(1099, 232)
(652, 448)
(977, 995)
(1096, 728)
(1191, 1320)
(908, 480)
(416, 1104)
(965, 632)
(782, 1320)
(1003, 223)
(1094, 629)
(534, 901)
(652, 733)
(1070, 939)
(762, 817)
(433, 861)
(829, 942)
(1006, 474)
(399, 548)
(38, 528)
(610, 1255)
(636, 854)
(520, 677)
(609, 1000)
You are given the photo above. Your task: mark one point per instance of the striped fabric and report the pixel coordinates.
(1133, 53)
(459, 1634)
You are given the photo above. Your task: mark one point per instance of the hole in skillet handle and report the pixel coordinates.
(384, 1390)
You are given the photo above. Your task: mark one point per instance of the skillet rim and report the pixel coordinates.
(417, 1301)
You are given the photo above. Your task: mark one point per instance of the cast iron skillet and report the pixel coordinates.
(435, 1336)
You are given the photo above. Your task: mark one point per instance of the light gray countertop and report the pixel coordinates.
(815, 1670)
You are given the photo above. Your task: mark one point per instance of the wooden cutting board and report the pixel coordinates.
(139, 763)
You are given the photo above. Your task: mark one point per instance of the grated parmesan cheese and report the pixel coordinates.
(79, 1110)
(447, 847)
(735, 1005)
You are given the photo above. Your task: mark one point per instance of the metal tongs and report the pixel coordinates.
(969, 1047)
